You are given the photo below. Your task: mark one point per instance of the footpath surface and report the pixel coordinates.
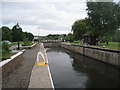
(21, 76)
(41, 77)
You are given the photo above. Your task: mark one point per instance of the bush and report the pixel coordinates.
(26, 42)
(5, 48)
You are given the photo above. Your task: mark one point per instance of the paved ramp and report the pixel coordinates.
(40, 78)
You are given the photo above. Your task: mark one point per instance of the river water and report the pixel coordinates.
(73, 70)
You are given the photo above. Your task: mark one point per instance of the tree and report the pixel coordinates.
(103, 17)
(17, 33)
(116, 36)
(118, 14)
(69, 37)
(30, 36)
(79, 28)
(6, 33)
(54, 36)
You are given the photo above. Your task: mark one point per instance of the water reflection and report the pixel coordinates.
(72, 70)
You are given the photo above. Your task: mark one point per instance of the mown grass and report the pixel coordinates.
(22, 43)
(15, 43)
(28, 44)
(112, 45)
(75, 42)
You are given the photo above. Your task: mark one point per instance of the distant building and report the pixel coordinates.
(89, 40)
(36, 38)
(86, 38)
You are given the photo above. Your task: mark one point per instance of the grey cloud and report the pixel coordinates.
(49, 16)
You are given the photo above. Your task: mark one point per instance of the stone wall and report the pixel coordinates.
(74, 48)
(105, 55)
(52, 44)
(10, 65)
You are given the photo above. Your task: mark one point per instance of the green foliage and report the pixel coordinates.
(26, 42)
(69, 37)
(79, 28)
(75, 42)
(28, 35)
(0, 51)
(116, 36)
(112, 45)
(55, 36)
(17, 33)
(104, 38)
(103, 17)
(14, 43)
(6, 33)
(5, 48)
(102, 22)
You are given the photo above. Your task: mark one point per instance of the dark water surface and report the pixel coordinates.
(72, 70)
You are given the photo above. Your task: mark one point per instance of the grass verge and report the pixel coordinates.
(112, 45)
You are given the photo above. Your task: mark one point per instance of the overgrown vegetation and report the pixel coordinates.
(5, 50)
(69, 37)
(15, 34)
(27, 42)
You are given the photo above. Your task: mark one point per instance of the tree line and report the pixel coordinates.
(15, 34)
(103, 22)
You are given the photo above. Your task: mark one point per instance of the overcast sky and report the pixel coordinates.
(48, 16)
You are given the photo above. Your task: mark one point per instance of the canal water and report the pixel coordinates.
(73, 70)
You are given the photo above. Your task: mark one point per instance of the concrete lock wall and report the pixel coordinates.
(12, 64)
(104, 55)
(52, 44)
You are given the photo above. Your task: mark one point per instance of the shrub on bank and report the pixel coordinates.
(5, 51)
(26, 42)
(5, 48)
